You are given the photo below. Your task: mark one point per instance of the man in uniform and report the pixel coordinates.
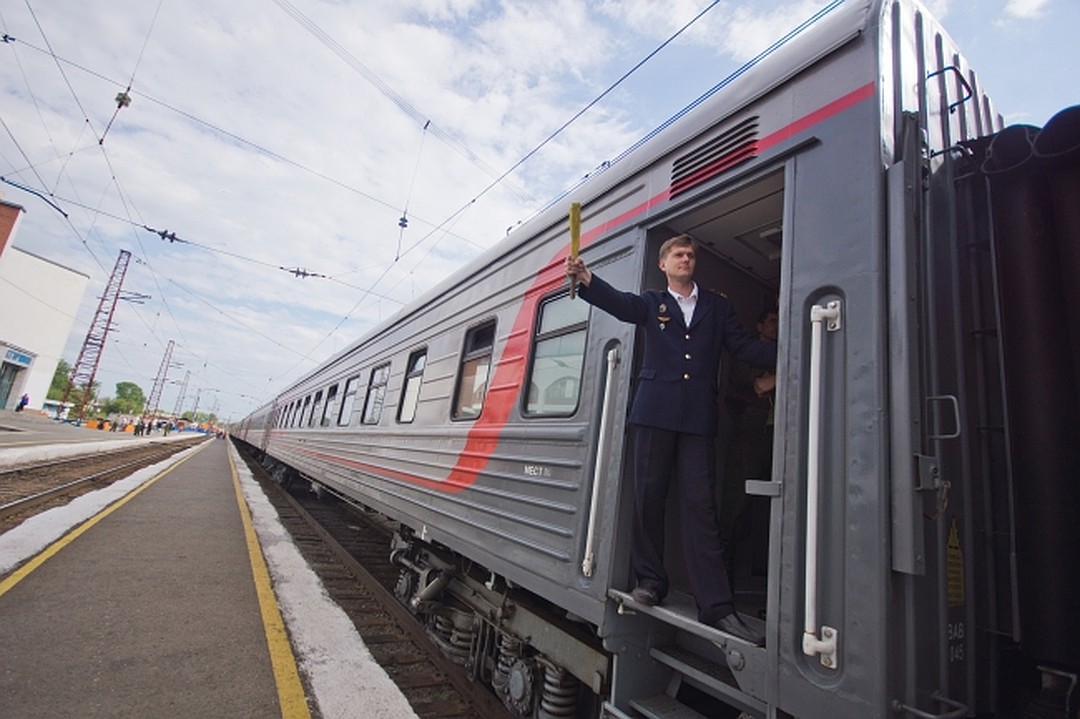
(674, 415)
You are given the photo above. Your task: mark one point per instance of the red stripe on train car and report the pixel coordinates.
(482, 439)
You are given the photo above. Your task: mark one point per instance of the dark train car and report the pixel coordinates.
(914, 548)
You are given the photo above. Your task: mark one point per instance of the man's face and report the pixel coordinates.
(678, 264)
(769, 329)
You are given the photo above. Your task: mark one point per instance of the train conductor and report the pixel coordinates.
(674, 414)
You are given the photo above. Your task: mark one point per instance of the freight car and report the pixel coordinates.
(916, 542)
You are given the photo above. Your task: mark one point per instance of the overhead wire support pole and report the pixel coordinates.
(183, 394)
(159, 381)
(85, 369)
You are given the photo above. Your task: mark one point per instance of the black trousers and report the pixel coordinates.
(664, 459)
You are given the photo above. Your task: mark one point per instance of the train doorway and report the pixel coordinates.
(741, 235)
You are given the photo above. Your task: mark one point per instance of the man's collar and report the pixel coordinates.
(693, 293)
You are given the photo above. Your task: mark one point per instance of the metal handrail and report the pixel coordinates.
(588, 563)
(826, 645)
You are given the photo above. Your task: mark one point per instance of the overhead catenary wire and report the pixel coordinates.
(443, 227)
(457, 213)
(113, 178)
(236, 138)
(395, 97)
(123, 99)
(404, 221)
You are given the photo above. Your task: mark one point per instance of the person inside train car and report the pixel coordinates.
(675, 415)
(750, 402)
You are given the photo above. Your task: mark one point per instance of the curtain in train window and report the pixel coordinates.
(376, 394)
(316, 409)
(348, 399)
(410, 392)
(558, 357)
(331, 405)
(473, 375)
(303, 411)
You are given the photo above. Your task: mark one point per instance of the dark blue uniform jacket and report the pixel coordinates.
(677, 384)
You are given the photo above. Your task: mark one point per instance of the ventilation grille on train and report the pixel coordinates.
(728, 149)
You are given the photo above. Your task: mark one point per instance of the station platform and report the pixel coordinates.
(161, 604)
(30, 436)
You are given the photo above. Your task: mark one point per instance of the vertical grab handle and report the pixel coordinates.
(588, 563)
(821, 318)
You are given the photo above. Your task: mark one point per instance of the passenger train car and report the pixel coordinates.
(915, 545)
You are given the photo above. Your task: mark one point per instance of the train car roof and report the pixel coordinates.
(829, 29)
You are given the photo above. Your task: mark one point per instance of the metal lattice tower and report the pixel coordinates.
(183, 394)
(159, 381)
(85, 369)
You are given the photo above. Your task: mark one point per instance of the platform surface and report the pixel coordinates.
(152, 612)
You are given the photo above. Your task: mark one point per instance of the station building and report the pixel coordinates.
(38, 302)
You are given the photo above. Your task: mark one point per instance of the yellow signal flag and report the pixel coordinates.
(575, 239)
(575, 228)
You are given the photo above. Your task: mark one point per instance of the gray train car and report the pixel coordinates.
(913, 550)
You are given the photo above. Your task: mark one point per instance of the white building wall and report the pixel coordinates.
(38, 303)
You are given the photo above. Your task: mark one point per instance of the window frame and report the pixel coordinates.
(470, 358)
(414, 378)
(378, 382)
(538, 338)
(316, 408)
(348, 401)
(329, 405)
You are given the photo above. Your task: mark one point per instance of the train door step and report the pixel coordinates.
(662, 706)
(680, 611)
(711, 676)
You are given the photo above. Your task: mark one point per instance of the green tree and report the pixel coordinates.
(59, 381)
(129, 399)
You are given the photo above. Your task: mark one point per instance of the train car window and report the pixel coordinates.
(558, 357)
(473, 374)
(303, 411)
(410, 392)
(348, 399)
(376, 394)
(316, 409)
(328, 410)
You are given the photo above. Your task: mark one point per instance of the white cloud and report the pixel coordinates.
(1025, 9)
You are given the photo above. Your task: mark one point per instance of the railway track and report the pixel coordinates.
(350, 551)
(28, 489)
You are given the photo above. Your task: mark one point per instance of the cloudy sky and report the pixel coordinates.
(277, 135)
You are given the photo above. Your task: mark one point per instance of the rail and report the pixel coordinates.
(23, 503)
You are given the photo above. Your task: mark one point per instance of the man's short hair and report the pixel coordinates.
(766, 312)
(677, 241)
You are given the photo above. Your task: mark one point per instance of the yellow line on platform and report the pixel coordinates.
(291, 693)
(22, 572)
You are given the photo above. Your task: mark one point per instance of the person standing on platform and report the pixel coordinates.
(23, 401)
(675, 417)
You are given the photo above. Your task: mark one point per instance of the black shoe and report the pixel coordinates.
(645, 595)
(734, 625)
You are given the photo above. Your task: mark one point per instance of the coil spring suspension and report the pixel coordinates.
(560, 696)
(509, 651)
(453, 632)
